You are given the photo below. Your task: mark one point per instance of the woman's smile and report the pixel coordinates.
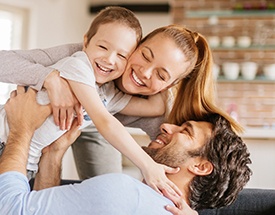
(136, 80)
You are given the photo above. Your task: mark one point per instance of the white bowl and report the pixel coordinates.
(249, 70)
(216, 71)
(269, 71)
(231, 70)
(214, 41)
(244, 41)
(228, 41)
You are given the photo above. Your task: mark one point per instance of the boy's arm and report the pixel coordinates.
(29, 67)
(116, 134)
(146, 107)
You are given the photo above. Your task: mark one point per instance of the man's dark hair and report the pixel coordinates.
(230, 158)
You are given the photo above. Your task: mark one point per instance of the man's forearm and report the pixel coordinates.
(15, 155)
(49, 173)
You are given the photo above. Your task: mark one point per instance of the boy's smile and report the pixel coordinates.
(109, 49)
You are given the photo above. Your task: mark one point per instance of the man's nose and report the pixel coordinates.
(168, 128)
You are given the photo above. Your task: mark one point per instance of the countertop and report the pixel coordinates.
(258, 133)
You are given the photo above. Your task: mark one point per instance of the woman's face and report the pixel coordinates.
(154, 66)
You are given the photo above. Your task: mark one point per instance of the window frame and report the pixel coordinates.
(19, 32)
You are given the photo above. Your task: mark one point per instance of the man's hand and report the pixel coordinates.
(63, 101)
(51, 159)
(61, 145)
(24, 114)
(180, 207)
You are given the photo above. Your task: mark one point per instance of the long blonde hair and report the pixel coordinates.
(195, 91)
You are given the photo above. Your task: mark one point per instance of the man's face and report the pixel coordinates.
(173, 145)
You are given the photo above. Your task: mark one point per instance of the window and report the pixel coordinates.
(12, 25)
(6, 32)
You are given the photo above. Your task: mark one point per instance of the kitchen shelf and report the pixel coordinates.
(249, 48)
(223, 19)
(257, 79)
(228, 13)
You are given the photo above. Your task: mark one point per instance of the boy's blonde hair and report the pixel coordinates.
(117, 14)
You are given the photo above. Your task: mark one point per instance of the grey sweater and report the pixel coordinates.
(30, 67)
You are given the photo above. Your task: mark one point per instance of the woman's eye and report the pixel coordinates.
(161, 76)
(102, 47)
(145, 57)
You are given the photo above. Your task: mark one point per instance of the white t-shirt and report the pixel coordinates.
(78, 68)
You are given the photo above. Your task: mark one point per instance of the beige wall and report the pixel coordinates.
(55, 22)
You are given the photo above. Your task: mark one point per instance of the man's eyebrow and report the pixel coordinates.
(190, 127)
(153, 56)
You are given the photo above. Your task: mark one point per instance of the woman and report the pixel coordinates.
(165, 57)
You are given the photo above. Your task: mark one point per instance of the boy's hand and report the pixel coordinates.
(63, 101)
(156, 178)
(180, 207)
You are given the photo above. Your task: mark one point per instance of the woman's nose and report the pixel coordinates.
(146, 72)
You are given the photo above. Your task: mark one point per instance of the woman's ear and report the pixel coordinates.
(201, 168)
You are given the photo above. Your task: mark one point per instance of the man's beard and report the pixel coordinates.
(166, 156)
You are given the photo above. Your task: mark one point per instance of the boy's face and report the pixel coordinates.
(109, 49)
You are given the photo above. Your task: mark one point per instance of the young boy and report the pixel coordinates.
(112, 37)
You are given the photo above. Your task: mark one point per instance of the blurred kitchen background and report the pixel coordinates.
(241, 34)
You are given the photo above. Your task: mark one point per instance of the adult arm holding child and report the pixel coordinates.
(14, 158)
(152, 106)
(50, 164)
(32, 69)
